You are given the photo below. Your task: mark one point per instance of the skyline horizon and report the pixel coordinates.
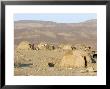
(54, 21)
(58, 18)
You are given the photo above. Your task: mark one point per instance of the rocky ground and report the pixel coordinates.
(45, 60)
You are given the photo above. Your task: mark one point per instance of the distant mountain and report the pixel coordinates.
(91, 21)
(35, 21)
(94, 21)
(36, 31)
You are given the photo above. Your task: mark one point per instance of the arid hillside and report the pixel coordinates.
(52, 32)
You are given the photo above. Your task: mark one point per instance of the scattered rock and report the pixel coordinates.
(50, 47)
(94, 56)
(83, 71)
(45, 46)
(51, 64)
(36, 47)
(67, 47)
(90, 69)
(74, 48)
(42, 45)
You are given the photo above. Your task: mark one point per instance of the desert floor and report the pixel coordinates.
(36, 63)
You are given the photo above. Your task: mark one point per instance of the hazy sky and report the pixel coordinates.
(60, 18)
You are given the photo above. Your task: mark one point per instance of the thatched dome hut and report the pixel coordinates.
(77, 58)
(24, 45)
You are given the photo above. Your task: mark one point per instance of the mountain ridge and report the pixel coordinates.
(37, 21)
(85, 32)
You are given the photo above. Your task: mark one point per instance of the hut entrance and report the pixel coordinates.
(85, 61)
(95, 56)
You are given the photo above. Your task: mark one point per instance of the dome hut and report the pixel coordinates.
(24, 45)
(75, 58)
